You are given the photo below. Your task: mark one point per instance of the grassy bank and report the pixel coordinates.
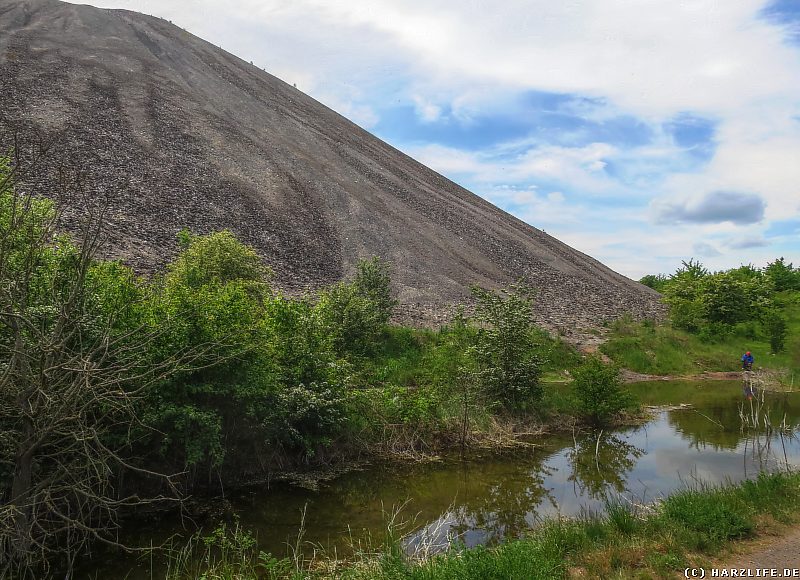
(656, 541)
(665, 350)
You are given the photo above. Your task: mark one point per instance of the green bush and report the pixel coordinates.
(784, 276)
(776, 328)
(507, 346)
(599, 392)
(683, 294)
(715, 332)
(735, 296)
(306, 407)
(212, 302)
(698, 297)
(355, 313)
(306, 417)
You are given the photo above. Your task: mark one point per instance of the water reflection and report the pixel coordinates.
(600, 464)
(714, 429)
(483, 501)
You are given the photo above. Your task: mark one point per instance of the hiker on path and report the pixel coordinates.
(747, 361)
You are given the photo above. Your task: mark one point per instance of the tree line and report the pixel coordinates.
(717, 304)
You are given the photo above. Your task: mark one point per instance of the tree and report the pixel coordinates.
(735, 296)
(217, 258)
(683, 292)
(655, 281)
(71, 370)
(214, 296)
(373, 282)
(784, 276)
(508, 366)
(698, 298)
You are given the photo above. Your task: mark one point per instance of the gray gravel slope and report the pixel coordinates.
(183, 134)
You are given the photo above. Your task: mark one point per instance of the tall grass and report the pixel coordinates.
(227, 553)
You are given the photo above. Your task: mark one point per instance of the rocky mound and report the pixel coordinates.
(180, 133)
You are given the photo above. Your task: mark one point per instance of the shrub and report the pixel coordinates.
(715, 332)
(506, 347)
(775, 325)
(373, 282)
(598, 389)
(305, 417)
(355, 313)
(306, 406)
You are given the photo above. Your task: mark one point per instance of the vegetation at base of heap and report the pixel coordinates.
(713, 318)
(599, 391)
(109, 381)
(628, 540)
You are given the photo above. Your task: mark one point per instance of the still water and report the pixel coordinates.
(485, 500)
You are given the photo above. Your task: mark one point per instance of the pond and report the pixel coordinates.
(482, 501)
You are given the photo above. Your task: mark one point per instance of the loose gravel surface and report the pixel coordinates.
(177, 133)
(769, 552)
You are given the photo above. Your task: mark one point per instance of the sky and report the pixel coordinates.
(641, 132)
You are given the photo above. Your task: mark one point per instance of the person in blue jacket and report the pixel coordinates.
(747, 361)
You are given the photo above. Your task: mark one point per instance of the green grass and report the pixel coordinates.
(539, 558)
(663, 350)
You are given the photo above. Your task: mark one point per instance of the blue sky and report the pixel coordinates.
(642, 133)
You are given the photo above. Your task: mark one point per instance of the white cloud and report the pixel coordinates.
(747, 242)
(427, 110)
(580, 167)
(653, 57)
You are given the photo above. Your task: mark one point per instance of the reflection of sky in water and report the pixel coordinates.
(678, 449)
(484, 500)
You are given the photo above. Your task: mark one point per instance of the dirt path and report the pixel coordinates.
(633, 377)
(767, 552)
